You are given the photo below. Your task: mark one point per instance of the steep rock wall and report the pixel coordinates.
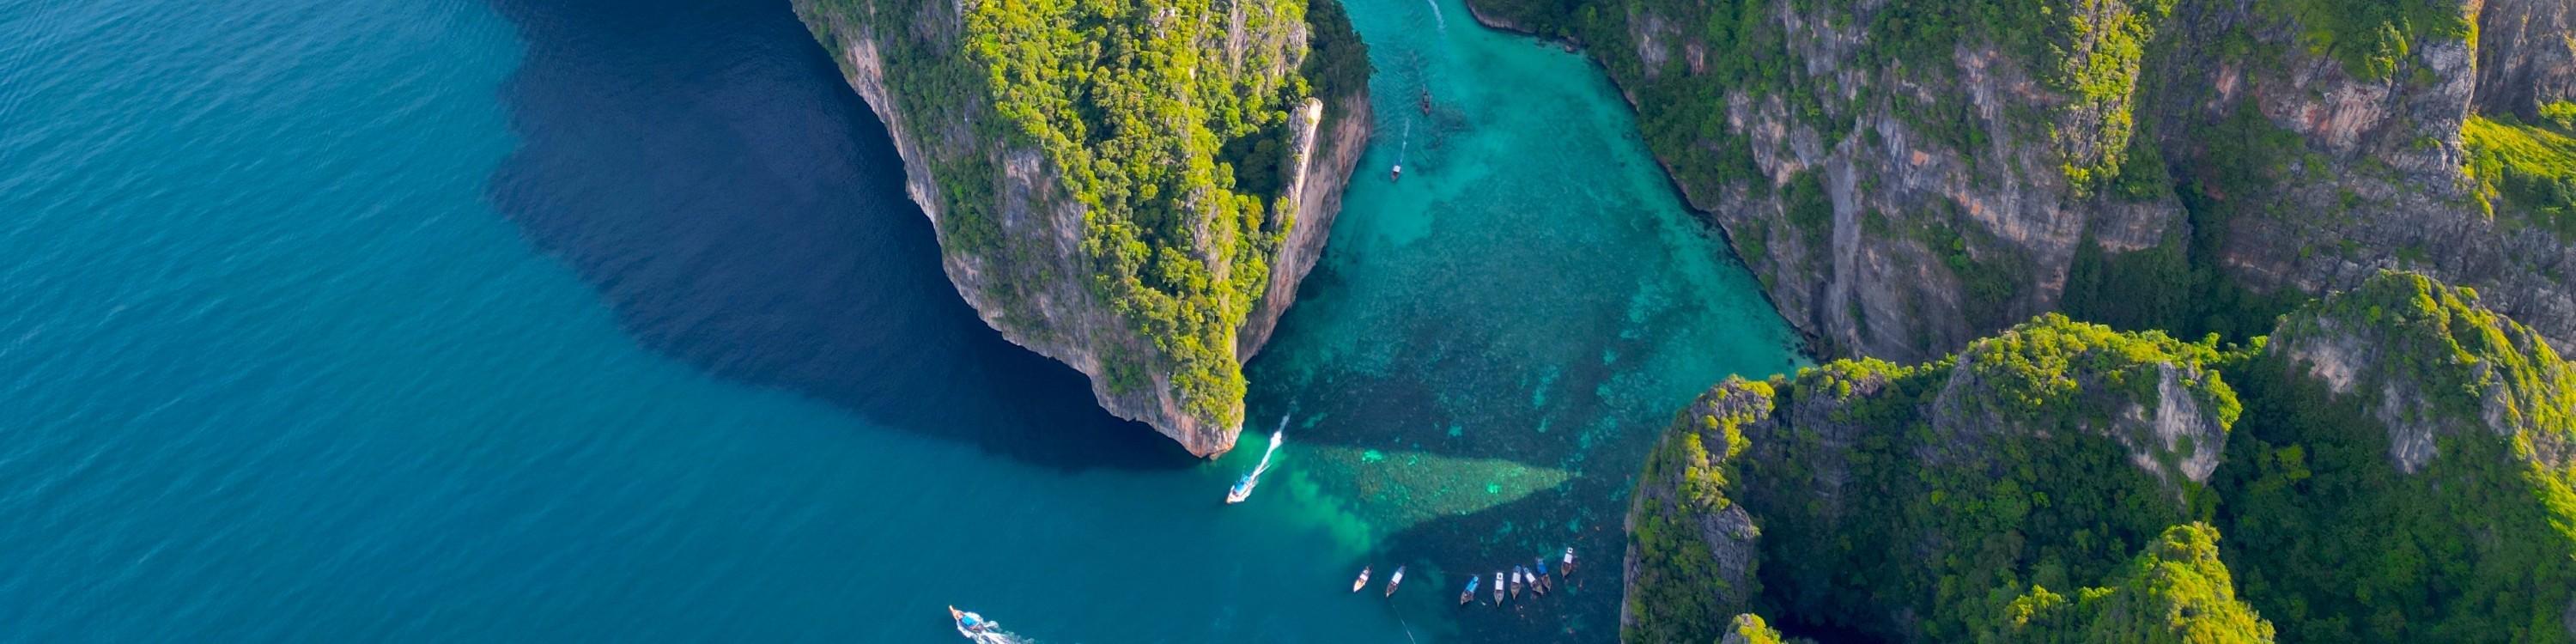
(1907, 176)
(1890, 499)
(1026, 254)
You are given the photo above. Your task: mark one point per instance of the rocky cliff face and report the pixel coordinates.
(2392, 463)
(1159, 302)
(1879, 498)
(1907, 176)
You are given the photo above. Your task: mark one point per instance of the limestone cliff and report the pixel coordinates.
(1907, 176)
(1879, 498)
(2392, 463)
(1137, 199)
(2404, 472)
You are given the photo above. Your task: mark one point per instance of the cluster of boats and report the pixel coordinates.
(1391, 582)
(1508, 584)
(1534, 578)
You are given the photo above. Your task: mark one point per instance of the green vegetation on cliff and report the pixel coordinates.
(2371, 37)
(2399, 465)
(1131, 104)
(2530, 169)
(2469, 536)
(1167, 125)
(2036, 458)
(2177, 591)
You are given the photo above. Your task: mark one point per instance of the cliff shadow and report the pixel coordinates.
(702, 164)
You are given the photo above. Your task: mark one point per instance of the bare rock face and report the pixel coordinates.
(2496, 379)
(2378, 182)
(1901, 193)
(1022, 261)
(2525, 57)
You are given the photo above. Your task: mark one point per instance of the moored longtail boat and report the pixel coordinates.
(1516, 582)
(1470, 594)
(1498, 588)
(1363, 580)
(1393, 580)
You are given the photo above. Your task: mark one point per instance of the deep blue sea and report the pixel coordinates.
(607, 320)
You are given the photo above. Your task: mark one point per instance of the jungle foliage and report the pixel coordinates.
(2336, 542)
(1994, 472)
(1999, 478)
(2530, 170)
(1166, 122)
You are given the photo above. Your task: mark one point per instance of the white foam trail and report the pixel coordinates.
(1275, 436)
(1435, 14)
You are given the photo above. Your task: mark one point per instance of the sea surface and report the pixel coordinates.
(607, 320)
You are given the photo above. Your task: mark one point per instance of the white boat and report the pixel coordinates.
(971, 625)
(1516, 582)
(1243, 489)
(1498, 588)
(1363, 580)
(1392, 580)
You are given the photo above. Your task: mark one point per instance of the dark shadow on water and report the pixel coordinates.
(703, 166)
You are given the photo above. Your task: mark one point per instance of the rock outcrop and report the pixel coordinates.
(2392, 463)
(1907, 176)
(2404, 471)
(1881, 498)
(1153, 260)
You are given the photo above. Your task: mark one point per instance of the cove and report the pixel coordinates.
(1491, 343)
(520, 320)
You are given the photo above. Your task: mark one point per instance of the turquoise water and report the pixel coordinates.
(1493, 341)
(592, 320)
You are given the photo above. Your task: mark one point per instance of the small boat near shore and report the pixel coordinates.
(1498, 588)
(1243, 489)
(1516, 582)
(1363, 580)
(1469, 594)
(1543, 583)
(1393, 580)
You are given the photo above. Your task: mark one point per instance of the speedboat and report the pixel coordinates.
(971, 625)
(1363, 580)
(1470, 594)
(1392, 580)
(1396, 174)
(1243, 488)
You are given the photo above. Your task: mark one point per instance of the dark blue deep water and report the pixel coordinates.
(607, 320)
(542, 321)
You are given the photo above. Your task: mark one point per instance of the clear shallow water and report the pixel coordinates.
(1491, 344)
(590, 320)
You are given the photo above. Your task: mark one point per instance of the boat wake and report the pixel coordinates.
(1243, 489)
(1441, 20)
